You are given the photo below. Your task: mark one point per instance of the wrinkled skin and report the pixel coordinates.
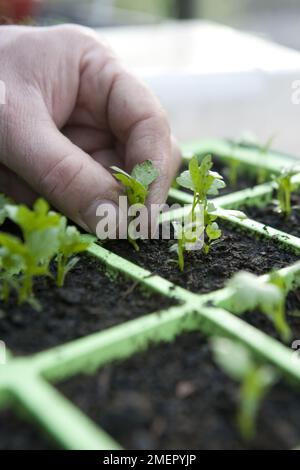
(72, 110)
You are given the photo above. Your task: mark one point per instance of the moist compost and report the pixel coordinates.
(269, 215)
(90, 301)
(202, 273)
(18, 434)
(173, 396)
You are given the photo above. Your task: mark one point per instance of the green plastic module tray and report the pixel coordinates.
(28, 383)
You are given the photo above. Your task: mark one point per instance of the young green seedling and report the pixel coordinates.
(186, 235)
(40, 230)
(45, 236)
(249, 293)
(233, 166)
(203, 182)
(255, 380)
(19, 264)
(264, 151)
(12, 253)
(71, 241)
(285, 187)
(137, 185)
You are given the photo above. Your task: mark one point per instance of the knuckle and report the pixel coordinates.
(161, 122)
(60, 178)
(83, 34)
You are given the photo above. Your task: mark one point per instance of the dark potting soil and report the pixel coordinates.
(90, 301)
(269, 216)
(203, 273)
(173, 396)
(263, 323)
(18, 434)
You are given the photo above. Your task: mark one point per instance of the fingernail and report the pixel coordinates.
(98, 210)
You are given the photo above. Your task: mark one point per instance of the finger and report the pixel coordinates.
(89, 139)
(138, 120)
(108, 158)
(65, 175)
(120, 101)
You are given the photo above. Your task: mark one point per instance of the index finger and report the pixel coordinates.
(140, 123)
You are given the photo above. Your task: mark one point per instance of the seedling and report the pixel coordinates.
(203, 182)
(186, 235)
(12, 254)
(249, 292)
(285, 187)
(264, 150)
(255, 380)
(45, 236)
(71, 241)
(233, 166)
(136, 185)
(19, 264)
(39, 229)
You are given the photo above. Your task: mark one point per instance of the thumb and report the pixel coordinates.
(66, 176)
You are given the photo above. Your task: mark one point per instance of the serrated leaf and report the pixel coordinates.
(145, 173)
(43, 244)
(71, 241)
(213, 232)
(195, 173)
(135, 190)
(215, 186)
(185, 181)
(30, 220)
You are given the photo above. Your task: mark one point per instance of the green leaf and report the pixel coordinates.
(30, 220)
(253, 390)
(145, 173)
(135, 190)
(43, 244)
(216, 185)
(12, 254)
(185, 180)
(232, 357)
(213, 232)
(195, 173)
(200, 179)
(263, 295)
(71, 241)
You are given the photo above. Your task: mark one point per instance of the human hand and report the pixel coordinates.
(72, 111)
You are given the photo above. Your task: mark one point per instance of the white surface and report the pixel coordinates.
(214, 81)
